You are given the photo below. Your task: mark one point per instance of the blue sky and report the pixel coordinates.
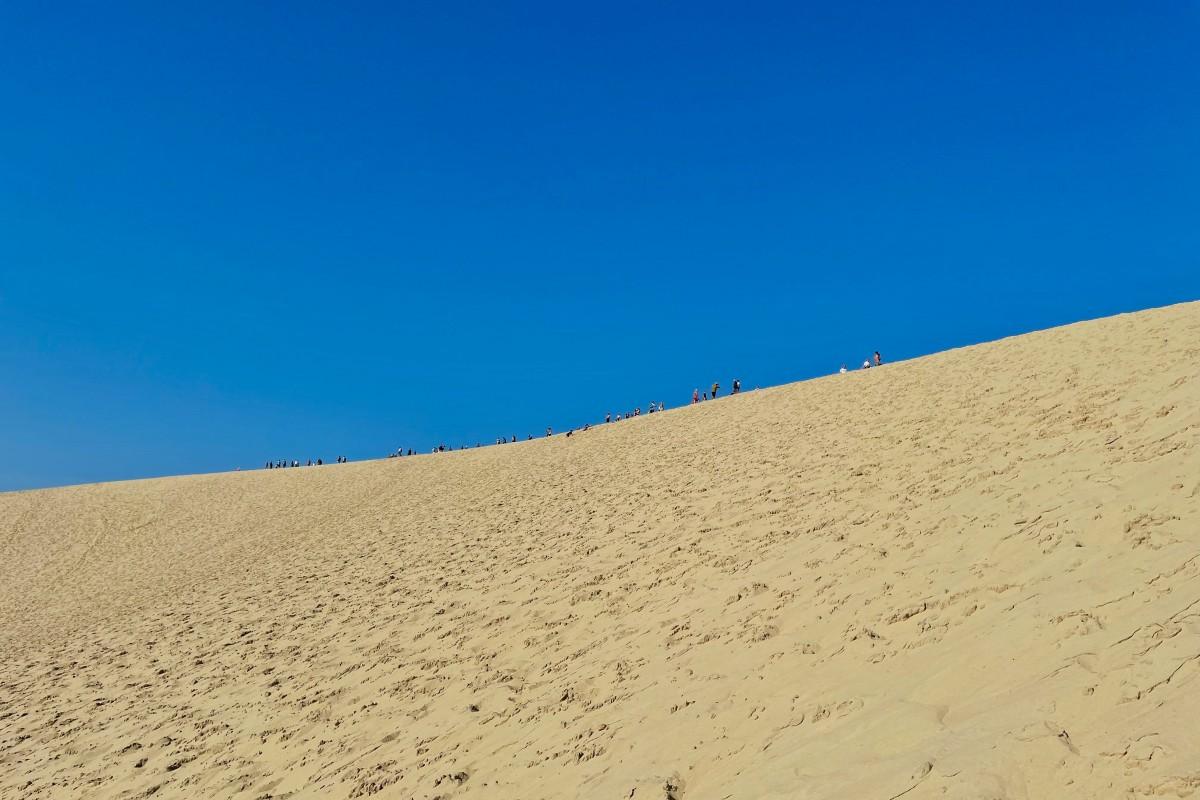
(234, 232)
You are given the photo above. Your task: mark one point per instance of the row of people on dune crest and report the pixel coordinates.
(654, 407)
(285, 463)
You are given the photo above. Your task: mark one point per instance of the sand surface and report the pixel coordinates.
(972, 575)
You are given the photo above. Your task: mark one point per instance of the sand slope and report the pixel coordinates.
(974, 575)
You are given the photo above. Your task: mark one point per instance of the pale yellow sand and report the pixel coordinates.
(974, 575)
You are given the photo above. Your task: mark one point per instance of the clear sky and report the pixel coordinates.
(239, 231)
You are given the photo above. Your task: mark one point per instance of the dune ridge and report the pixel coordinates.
(971, 575)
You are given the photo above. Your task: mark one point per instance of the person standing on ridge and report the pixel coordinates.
(878, 359)
(715, 387)
(695, 396)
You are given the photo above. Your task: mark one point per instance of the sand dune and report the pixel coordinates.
(972, 575)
